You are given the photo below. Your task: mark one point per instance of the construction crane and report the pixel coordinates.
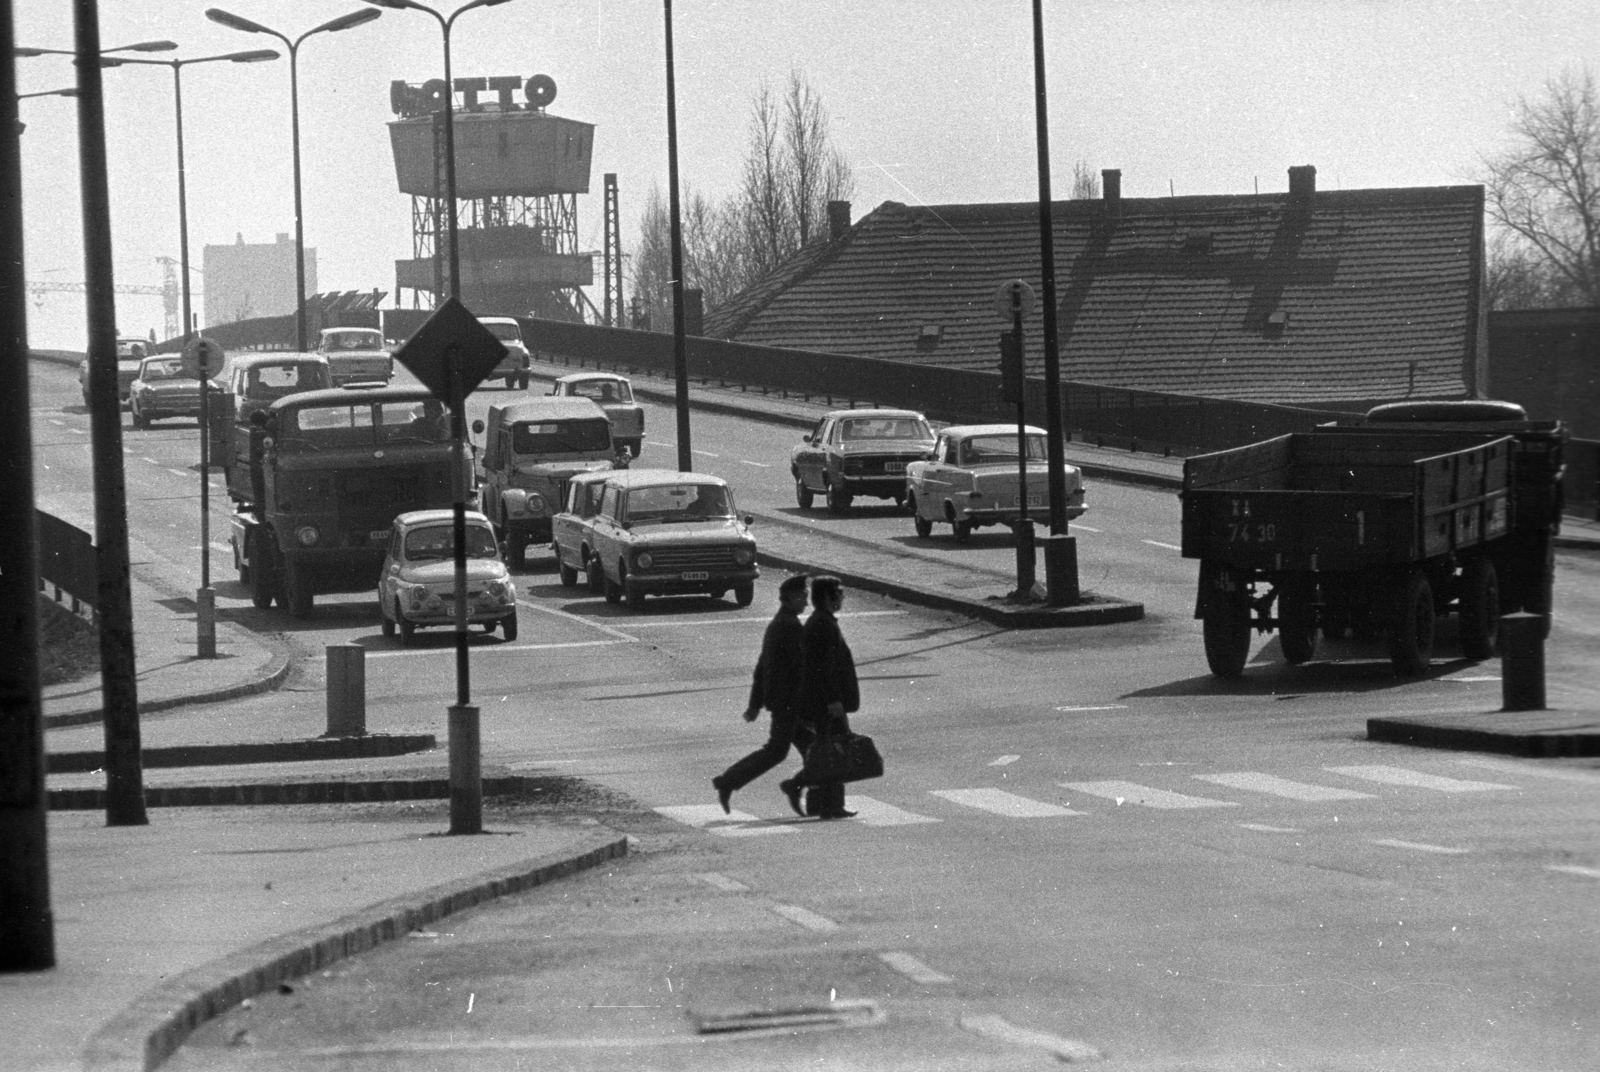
(169, 290)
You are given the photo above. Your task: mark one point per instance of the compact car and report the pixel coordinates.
(572, 530)
(356, 355)
(163, 389)
(664, 532)
(614, 394)
(856, 452)
(513, 368)
(418, 584)
(971, 479)
(130, 352)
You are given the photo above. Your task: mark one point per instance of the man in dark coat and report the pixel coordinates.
(773, 686)
(828, 692)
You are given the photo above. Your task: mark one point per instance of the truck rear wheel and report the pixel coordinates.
(1411, 630)
(1226, 622)
(1479, 612)
(1297, 622)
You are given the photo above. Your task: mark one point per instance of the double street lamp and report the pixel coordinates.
(343, 22)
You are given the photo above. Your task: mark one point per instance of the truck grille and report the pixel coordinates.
(680, 559)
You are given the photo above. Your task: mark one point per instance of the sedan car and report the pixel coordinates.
(356, 355)
(857, 452)
(572, 530)
(417, 586)
(664, 532)
(513, 368)
(163, 389)
(614, 394)
(971, 479)
(130, 352)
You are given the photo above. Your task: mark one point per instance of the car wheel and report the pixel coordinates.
(522, 381)
(298, 592)
(508, 626)
(569, 575)
(922, 525)
(744, 594)
(511, 383)
(961, 530)
(634, 595)
(612, 590)
(838, 501)
(593, 575)
(388, 624)
(516, 551)
(261, 590)
(802, 494)
(407, 629)
(137, 417)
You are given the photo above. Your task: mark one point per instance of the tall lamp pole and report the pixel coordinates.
(343, 22)
(205, 598)
(680, 347)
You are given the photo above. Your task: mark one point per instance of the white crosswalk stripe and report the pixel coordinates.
(1000, 802)
(1132, 793)
(709, 817)
(870, 812)
(1257, 782)
(1416, 779)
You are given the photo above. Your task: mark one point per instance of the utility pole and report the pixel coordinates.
(27, 929)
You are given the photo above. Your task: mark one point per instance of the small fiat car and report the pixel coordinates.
(513, 368)
(418, 582)
(614, 394)
(662, 532)
(356, 355)
(130, 352)
(856, 452)
(572, 530)
(970, 479)
(163, 389)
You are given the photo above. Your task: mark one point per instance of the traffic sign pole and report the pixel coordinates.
(202, 357)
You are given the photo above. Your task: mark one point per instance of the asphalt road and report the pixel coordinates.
(1083, 845)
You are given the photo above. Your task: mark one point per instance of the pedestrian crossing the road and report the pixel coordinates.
(874, 812)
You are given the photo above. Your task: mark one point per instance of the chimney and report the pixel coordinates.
(1111, 191)
(838, 218)
(1302, 184)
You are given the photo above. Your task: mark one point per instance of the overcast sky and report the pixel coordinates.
(931, 101)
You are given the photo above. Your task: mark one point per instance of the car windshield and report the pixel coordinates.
(560, 437)
(161, 370)
(356, 340)
(679, 502)
(505, 332)
(438, 542)
(601, 391)
(993, 449)
(859, 428)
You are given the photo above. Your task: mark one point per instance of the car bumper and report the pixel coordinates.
(691, 582)
(477, 614)
(1005, 515)
(170, 407)
(884, 487)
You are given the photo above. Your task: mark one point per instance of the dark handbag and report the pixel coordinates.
(841, 757)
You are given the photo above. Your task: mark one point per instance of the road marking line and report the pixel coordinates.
(870, 812)
(1395, 843)
(1084, 528)
(711, 819)
(704, 453)
(1572, 869)
(602, 627)
(758, 465)
(1000, 802)
(914, 969)
(52, 420)
(997, 1027)
(1133, 793)
(177, 472)
(806, 918)
(1265, 829)
(486, 650)
(1511, 766)
(1101, 707)
(1281, 787)
(77, 431)
(723, 882)
(1416, 779)
(1158, 543)
(1003, 761)
(152, 461)
(1470, 680)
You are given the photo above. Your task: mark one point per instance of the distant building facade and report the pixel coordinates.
(244, 281)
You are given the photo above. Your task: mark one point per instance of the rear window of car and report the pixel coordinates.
(984, 450)
(859, 428)
(601, 390)
(161, 370)
(560, 437)
(275, 381)
(355, 340)
(679, 502)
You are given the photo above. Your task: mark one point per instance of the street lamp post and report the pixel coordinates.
(680, 345)
(205, 598)
(343, 22)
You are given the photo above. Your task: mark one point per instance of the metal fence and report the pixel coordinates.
(66, 559)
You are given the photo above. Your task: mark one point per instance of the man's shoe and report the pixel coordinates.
(792, 791)
(724, 794)
(837, 814)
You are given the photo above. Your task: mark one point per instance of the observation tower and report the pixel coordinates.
(518, 173)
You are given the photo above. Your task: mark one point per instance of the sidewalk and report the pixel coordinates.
(160, 927)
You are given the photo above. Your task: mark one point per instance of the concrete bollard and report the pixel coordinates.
(466, 771)
(1061, 569)
(347, 690)
(1522, 661)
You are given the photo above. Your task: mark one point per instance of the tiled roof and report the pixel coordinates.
(1173, 294)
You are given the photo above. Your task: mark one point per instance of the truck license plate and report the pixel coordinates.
(894, 467)
(696, 575)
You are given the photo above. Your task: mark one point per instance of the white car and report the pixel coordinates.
(970, 479)
(418, 583)
(514, 367)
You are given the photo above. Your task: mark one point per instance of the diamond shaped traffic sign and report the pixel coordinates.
(451, 346)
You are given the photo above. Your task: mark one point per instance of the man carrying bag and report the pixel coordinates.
(773, 686)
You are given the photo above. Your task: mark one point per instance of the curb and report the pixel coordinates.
(1458, 734)
(277, 670)
(1577, 543)
(367, 746)
(332, 791)
(152, 1028)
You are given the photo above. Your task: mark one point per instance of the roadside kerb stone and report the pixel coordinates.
(276, 672)
(150, 1029)
(307, 791)
(1532, 734)
(369, 746)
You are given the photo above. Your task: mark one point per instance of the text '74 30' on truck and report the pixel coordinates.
(1376, 525)
(321, 479)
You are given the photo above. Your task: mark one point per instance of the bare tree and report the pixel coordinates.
(766, 209)
(1085, 183)
(1516, 276)
(818, 173)
(1545, 188)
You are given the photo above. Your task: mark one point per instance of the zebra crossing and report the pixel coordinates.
(1253, 785)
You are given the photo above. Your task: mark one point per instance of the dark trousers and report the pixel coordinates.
(785, 732)
(823, 796)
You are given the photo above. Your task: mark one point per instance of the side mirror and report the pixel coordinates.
(806, 438)
(477, 427)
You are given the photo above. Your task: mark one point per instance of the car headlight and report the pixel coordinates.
(307, 535)
(644, 560)
(744, 556)
(501, 590)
